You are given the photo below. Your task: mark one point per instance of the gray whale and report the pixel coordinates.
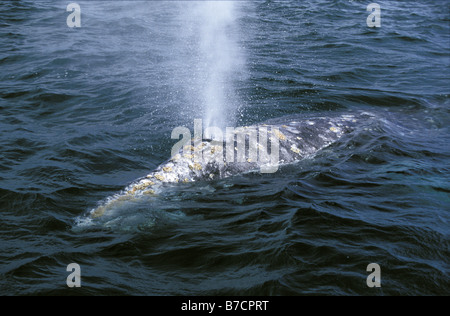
(205, 160)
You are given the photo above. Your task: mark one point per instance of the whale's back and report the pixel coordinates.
(259, 148)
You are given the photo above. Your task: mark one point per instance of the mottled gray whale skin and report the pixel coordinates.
(204, 160)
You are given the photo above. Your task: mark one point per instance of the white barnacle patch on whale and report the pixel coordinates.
(171, 177)
(349, 118)
(176, 158)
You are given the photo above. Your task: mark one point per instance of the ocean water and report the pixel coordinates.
(84, 111)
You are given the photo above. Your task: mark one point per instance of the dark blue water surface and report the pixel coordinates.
(85, 111)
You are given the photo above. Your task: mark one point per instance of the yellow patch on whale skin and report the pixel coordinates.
(141, 186)
(99, 211)
(279, 135)
(186, 180)
(149, 192)
(195, 166)
(132, 191)
(200, 146)
(216, 148)
(167, 169)
(334, 129)
(295, 149)
(159, 177)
